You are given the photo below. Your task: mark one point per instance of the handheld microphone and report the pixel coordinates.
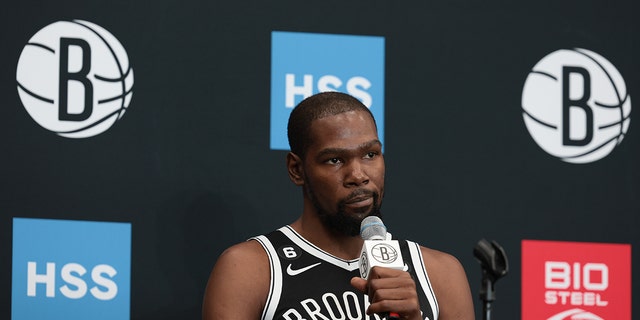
(378, 251)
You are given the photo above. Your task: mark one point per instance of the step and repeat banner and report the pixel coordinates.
(142, 139)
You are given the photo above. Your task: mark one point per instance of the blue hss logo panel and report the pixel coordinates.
(70, 270)
(303, 64)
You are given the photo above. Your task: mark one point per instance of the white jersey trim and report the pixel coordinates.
(310, 248)
(423, 277)
(275, 286)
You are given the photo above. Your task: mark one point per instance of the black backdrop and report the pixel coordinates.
(189, 164)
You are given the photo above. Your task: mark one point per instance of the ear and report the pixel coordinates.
(294, 167)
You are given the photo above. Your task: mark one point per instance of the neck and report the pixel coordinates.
(311, 228)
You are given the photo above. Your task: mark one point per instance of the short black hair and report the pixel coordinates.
(315, 107)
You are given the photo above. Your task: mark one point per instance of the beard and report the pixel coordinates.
(341, 223)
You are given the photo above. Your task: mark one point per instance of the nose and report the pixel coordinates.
(355, 175)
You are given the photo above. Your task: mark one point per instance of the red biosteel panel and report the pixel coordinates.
(575, 280)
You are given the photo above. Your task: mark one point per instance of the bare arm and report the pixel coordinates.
(450, 285)
(239, 284)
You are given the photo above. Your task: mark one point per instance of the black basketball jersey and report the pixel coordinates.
(308, 283)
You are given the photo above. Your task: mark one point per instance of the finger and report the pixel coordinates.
(400, 282)
(382, 272)
(360, 284)
(406, 309)
(402, 301)
(392, 291)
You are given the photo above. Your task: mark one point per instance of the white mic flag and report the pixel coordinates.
(377, 249)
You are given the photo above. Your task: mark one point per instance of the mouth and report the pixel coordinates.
(359, 201)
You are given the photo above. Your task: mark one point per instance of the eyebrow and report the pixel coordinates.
(362, 146)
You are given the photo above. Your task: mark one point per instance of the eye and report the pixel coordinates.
(370, 155)
(334, 161)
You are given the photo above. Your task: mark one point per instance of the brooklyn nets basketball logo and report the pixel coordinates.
(74, 78)
(384, 253)
(364, 265)
(576, 105)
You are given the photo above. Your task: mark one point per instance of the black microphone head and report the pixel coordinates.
(372, 228)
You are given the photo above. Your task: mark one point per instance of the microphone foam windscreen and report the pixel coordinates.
(372, 228)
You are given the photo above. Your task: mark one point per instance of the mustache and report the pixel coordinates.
(360, 193)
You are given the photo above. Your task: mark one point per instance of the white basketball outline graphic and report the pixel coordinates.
(608, 102)
(575, 313)
(109, 74)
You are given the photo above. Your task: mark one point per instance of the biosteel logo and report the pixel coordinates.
(571, 280)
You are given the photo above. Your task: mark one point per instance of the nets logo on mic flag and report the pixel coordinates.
(303, 64)
(377, 250)
(571, 280)
(71, 270)
(386, 254)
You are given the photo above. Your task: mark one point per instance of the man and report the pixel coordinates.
(309, 269)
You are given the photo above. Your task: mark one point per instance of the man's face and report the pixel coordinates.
(344, 170)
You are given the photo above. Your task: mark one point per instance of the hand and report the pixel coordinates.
(390, 290)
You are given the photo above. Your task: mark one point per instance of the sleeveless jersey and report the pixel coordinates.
(309, 283)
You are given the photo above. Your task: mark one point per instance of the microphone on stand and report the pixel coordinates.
(377, 250)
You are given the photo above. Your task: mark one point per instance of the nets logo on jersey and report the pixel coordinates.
(71, 270)
(74, 78)
(303, 64)
(570, 280)
(576, 105)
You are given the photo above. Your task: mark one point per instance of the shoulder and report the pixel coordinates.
(239, 282)
(248, 251)
(450, 284)
(437, 261)
(445, 271)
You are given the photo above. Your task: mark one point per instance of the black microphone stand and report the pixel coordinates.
(493, 261)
